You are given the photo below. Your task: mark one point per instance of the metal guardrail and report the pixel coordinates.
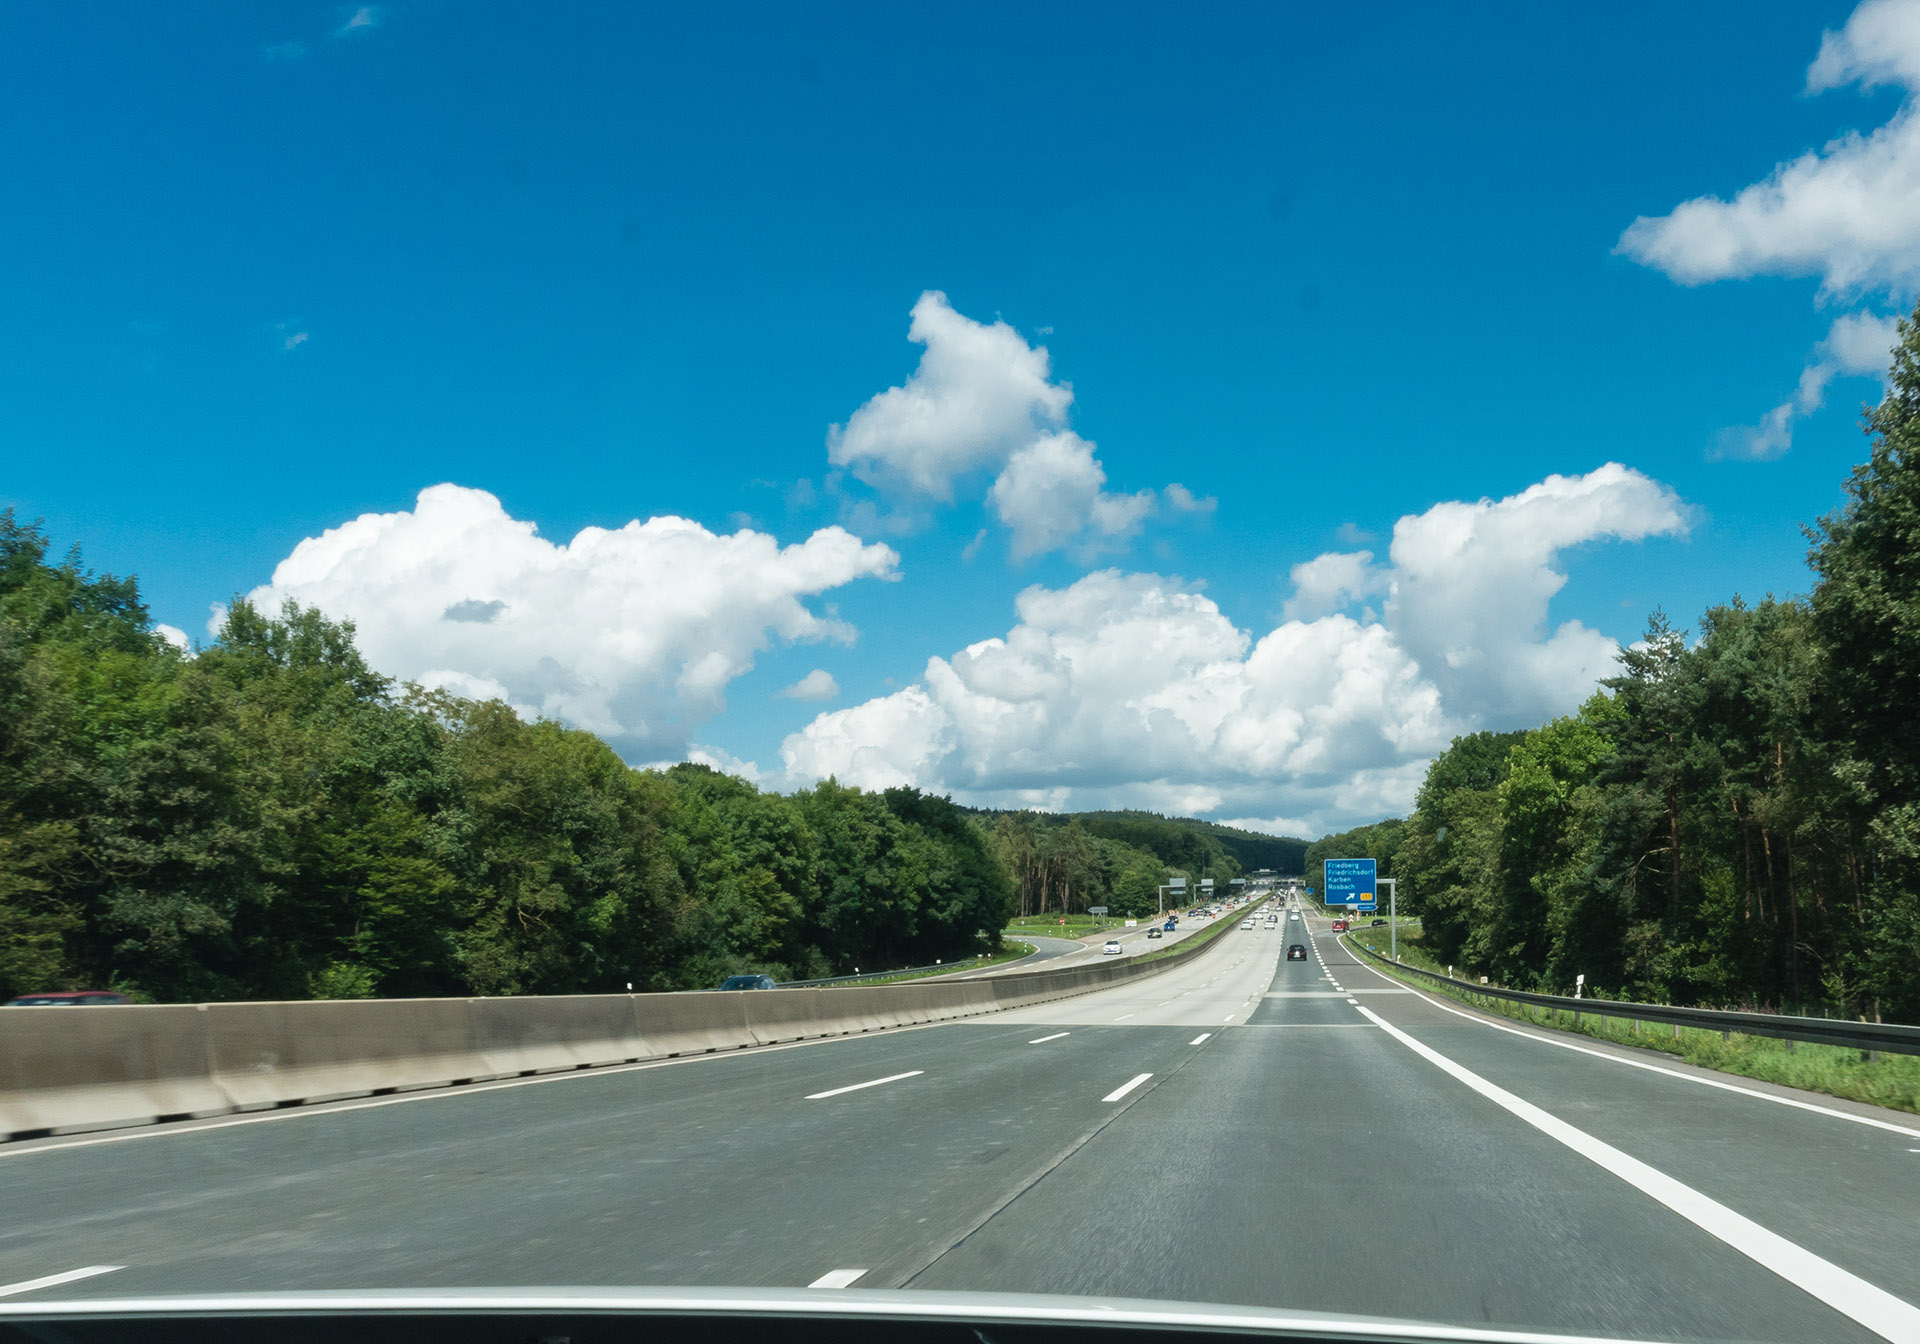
(881, 975)
(1894, 1038)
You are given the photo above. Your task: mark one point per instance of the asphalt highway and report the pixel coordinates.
(1241, 1129)
(1064, 953)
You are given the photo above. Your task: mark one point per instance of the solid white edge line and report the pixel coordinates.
(1042, 1040)
(1122, 1091)
(1888, 1316)
(855, 1087)
(837, 1278)
(49, 1281)
(1794, 1102)
(1205, 1035)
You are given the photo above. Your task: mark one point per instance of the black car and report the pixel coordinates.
(1153, 932)
(1296, 952)
(1377, 923)
(748, 982)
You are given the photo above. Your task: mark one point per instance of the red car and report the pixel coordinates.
(67, 998)
(1339, 926)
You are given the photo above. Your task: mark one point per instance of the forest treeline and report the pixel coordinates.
(270, 818)
(1734, 819)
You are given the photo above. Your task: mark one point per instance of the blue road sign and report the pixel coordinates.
(1352, 882)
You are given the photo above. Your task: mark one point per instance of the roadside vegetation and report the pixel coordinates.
(268, 817)
(1062, 926)
(1734, 819)
(1010, 951)
(1886, 1080)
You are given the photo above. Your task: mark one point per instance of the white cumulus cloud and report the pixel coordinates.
(983, 399)
(816, 685)
(632, 633)
(1052, 496)
(1131, 689)
(980, 393)
(1331, 582)
(1847, 213)
(1471, 583)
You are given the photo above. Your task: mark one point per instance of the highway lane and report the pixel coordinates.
(1064, 953)
(1848, 1191)
(1376, 1184)
(1218, 990)
(1298, 1155)
(721, 1169)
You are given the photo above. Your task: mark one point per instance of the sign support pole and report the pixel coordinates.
(1393, 913)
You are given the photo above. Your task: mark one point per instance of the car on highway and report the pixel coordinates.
(68, 998)
(1246, 923)
(1112, 948)
(1296, 952)
(748, 982)
(1377, 923)
(1295, 917)
(1339, 926)
(1156, 932)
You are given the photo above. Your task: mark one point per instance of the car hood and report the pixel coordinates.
(910, 1308)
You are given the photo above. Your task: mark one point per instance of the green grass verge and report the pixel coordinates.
(1892, 1081)
(1076, 926)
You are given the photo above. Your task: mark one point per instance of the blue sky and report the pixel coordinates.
(271, 268)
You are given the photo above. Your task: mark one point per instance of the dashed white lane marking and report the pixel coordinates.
(1207, 1034)
(855, 1087)
(1229, 1017)
(837, 1278)
(1794, 1102)
(71, 1275)
(1123, 1017)
(1850, 1295)
(1044, 1039)
(1122, 1091)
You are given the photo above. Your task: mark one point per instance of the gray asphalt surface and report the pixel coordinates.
(1068, 952)
(1285, 1150)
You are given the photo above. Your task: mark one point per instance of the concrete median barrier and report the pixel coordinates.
(694, 1024)
(870, 1007)
(779, 1015)
(278, 1054)
(547, 1035)
(67, 1069)
(97, 1068)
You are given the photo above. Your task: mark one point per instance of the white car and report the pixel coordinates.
(1112, 949)
(1246, 923)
